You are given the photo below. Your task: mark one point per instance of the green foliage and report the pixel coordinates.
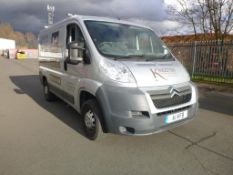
(213, 79)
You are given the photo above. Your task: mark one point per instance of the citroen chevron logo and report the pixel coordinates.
(174, 92)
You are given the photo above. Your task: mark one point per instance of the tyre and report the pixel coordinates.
(49, 96)
(91, 114)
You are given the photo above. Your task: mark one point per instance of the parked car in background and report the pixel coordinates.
(21, 55)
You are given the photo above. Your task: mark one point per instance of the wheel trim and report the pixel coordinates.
(89, 120)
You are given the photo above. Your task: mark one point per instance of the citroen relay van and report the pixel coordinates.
(118, 75)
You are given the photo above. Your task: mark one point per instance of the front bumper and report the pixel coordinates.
(117, 104)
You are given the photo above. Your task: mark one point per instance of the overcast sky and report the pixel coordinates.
(31, 15)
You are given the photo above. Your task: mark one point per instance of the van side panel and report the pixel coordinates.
(51, 57)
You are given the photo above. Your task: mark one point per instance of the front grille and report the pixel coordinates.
(175, 100)
(171, 96)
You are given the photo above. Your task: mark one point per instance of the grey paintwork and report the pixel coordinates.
(117, 99)
(117, 104)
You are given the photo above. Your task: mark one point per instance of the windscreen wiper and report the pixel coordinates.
(129, 56)
(164, 57)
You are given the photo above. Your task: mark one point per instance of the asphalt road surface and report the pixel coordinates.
(41, 138)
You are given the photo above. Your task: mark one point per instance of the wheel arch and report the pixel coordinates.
(42, 77)
(86, 95)
(43, 80)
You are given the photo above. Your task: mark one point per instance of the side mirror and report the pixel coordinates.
(76, 53)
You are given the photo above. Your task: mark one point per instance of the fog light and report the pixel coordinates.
(130, 130)
(136, 113)
(122, 129)
(126, 130)
(139, 114)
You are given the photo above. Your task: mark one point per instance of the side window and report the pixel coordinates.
(74, 34)
(71, 34)
(55, 39)
(55, 42)
(44, 43)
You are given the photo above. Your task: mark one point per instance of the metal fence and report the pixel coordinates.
(209, 61)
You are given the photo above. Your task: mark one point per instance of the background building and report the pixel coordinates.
(6, 44)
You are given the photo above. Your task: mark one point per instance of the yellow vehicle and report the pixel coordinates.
(21, 55)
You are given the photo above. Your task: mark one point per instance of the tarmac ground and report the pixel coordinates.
(40, 138)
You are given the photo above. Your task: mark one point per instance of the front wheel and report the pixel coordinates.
(91, 121)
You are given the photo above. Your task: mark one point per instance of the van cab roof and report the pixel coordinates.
(109, 19)
(95, 18)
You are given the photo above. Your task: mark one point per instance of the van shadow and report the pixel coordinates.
(30, 85)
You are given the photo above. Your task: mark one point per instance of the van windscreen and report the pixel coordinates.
(126, 41)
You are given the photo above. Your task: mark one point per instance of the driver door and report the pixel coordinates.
(73, 72)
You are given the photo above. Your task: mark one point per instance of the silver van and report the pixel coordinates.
(118, 75)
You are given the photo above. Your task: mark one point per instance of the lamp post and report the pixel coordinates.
(51, 10)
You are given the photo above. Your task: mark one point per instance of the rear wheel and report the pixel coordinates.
(91, 114)
(49, 96)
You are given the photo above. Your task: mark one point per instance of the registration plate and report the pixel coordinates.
(176, 117)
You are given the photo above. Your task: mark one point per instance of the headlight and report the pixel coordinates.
(117, 71)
